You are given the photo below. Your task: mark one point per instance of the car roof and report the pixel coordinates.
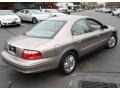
(68, 18)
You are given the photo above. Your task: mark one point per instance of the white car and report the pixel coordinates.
(80, 10)
(116, 12)
(106, 10)
(7, 17)
(57, 13)
(33, 15)
(53, 12)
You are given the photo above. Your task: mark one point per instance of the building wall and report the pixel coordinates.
(22, 5)
(6, 5)
(69, 5)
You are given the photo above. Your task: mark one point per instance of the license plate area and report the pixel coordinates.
(13, 22)
(12, 50)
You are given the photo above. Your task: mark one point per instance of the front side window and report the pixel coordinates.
(22, 11)
(80, 27)
(27, 11)
(45, 29)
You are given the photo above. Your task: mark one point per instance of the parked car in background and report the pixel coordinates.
(99, 9)
(80, 10)
(57, 42)
(116, 12)
(48, 10)
(107, 11)
(63, 10)
(7, 17)
(32, 15)
(53, 12)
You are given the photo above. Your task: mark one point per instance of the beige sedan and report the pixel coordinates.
(57, 42)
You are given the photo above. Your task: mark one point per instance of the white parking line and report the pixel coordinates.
(24, 25)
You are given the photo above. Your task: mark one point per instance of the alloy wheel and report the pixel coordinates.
(34, 20)
(112, 42)
(69, 63)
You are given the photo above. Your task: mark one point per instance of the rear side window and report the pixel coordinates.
(80, 27)
(94, 25)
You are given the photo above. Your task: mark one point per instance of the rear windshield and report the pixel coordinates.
(45, 29)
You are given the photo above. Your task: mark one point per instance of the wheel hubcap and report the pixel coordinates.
(34, 21)
(69, 63)
(112, 41)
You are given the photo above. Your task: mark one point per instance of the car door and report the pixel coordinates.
(28, 15)
(85, 39)
(21, 14)
(103, 34)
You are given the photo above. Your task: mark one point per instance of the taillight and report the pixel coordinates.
(31, 54)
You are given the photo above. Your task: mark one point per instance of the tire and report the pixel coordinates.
(112, 42)
(117, 15)
(66, 65)
(113, 14)
(34, 20)
(19, 25)
(0, 25)
(68, 13)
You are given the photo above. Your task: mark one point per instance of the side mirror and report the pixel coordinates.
(104, 27)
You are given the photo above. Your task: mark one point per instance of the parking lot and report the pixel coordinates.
(106, 61)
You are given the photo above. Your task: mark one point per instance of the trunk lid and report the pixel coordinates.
(27, 42)
(16, 45)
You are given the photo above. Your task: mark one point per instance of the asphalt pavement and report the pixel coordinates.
(103, 63)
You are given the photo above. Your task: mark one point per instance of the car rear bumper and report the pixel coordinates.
(29, 66)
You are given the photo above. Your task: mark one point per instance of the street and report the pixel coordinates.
(104, 62)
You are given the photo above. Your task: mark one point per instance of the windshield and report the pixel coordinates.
(45, 29)
(6, 12)
(36, 11)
